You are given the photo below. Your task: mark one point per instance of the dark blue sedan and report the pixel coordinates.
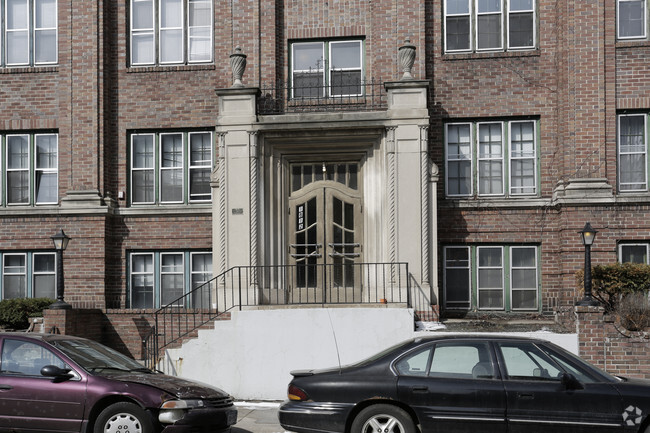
(467, 384)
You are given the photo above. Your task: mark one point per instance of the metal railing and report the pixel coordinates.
(306, 97)
(250, 286)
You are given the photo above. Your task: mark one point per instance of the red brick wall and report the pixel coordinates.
(607, 345)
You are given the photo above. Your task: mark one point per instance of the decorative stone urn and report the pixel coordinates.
(238, 66)
(406, 55)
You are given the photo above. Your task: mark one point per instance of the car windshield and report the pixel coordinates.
(97, 358)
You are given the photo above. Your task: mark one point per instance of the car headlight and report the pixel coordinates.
(174, 410)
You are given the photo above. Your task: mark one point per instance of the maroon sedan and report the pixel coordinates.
(59, 383)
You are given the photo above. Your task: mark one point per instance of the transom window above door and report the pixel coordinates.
(326, 68)
(342, 172)
(171, 32)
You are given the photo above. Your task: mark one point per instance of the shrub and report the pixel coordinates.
(611, 283)
(634, 311)
(15, 313)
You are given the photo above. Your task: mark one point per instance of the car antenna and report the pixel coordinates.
(336, 344)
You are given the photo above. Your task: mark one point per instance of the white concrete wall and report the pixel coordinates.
(251, 356)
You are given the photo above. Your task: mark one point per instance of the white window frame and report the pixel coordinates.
(620, 153)
(157, 273)
(533, 10)
(30, 31)
(534, 158)
(505, 13)
(187, 37)
(162, 168)
(25, 169)
(36, 273)
(471, 27)
(331, 68)
(205, 165)
(535, 268)
(479, 290)
(152, 169)
(173, 272)
(508, 188)
(48, 170)
(490, 158)
(622, 245)
(42, 29)
(501, 26)
(158, 170)
(191, 38)
(23, 271)
(326, 68)
(133, 273)
(467, 268)
(161, 30)
(460, 158)
(618, 20)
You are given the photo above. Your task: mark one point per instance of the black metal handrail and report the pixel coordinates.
(280, 98)
(248, 286)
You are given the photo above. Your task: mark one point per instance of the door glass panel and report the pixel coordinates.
(306, 248)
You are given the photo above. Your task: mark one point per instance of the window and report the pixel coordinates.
(326, 68)
(168, 32)
(455, 360)
(632, 153)
(634, 252)
(26, 358)
(631, 19)
(525, 361)
(489, 25)
(161, 278)
(491, 159)
(171, 167)
(28, 275)
(29, 35)
(502, 278)
(30, 166)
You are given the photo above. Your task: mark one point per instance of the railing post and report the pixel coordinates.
(240, 296)
(408, 286)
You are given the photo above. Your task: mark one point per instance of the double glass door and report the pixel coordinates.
(325, 229)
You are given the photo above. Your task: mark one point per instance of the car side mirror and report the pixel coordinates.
(57, 373)
(570, 382)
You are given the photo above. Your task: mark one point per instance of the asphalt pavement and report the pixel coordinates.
(257, 417)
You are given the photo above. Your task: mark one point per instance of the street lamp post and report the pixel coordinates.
(60, 241)
(588, 234)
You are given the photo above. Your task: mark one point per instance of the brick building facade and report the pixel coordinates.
(114, 127)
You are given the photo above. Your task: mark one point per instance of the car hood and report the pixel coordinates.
(181, 388)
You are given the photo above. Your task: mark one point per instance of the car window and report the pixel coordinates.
(525, 361)
(26, 358)
(462, 360)
(414, 364)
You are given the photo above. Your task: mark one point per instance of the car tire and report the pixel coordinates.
(123, 417)
(383, 418)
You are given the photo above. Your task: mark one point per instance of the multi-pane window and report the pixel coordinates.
(30, 168)
(632, 153)
(29, 34)
(168, 32)
(491, 159)
(28, 275)
(636, 252)
(171, 167)
(161, 278)
(491, 277)
(326, 68)
(489, 25)
(631, 19)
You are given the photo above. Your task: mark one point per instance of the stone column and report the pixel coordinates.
(408, 185)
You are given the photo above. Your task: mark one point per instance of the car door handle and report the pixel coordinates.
(6, 387)
(420, 389)
(525, 396)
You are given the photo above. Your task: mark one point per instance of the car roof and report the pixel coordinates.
(40, 336)
(476, 337)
